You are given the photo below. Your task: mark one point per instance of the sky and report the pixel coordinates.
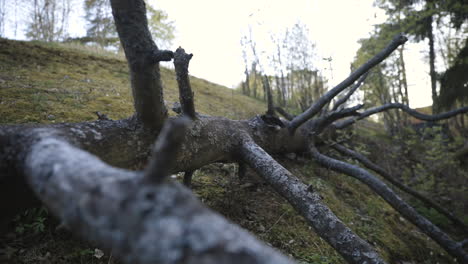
(212, 30)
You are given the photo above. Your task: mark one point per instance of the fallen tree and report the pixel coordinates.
(78, 169)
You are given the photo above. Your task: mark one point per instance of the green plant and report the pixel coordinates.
(32, 220)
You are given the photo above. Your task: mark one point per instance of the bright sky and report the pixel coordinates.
(212, 29)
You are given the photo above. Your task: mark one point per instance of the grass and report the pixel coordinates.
(47, 83)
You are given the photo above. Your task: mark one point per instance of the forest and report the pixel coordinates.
(108, 157)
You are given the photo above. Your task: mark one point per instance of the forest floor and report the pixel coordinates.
(49, 83)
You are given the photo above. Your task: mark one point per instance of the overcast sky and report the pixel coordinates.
(212, 29)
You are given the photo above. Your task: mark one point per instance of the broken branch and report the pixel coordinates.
(181, 63)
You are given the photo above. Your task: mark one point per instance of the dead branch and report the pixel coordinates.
(181, 63)
(308, 204)
(405, 108)
(351, 91)
(140, 222)
(283, 112)
(380, 188)
(327, 97)
(320, 123)
(372, 166)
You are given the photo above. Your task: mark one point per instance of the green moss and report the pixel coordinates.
(57, 83)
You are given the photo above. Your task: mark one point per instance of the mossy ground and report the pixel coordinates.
(49, 83)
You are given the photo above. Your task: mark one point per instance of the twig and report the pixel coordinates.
(276, 222)
(351, 91)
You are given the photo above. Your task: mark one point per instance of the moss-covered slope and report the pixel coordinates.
(55, 83)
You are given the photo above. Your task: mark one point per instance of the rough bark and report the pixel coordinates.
(307, 203)
(181, 63)
(140, 49)
(125, 212)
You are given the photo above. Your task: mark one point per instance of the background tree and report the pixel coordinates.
(101, 27)
(48, 20)
(386, 83)
(161, 27)
(294, 80)
(454, 84)
(418, 18)
(3, 12)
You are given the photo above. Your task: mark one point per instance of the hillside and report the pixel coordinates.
(54, 83)
(58, 83)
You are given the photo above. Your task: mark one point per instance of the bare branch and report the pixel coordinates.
(308, 204)
(181, 63)
(326, 98)
(372, 166)
(144, 70)
(141, 223)
(325, 120)
(165, 149)
(395, 201)
(406, 109)
(283, 112)
(351, 91)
